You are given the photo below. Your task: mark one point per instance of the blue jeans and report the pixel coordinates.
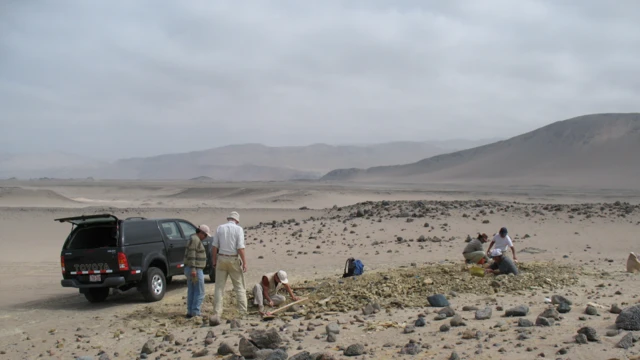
(195, 291)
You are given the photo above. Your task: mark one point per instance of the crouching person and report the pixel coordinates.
(266, 292)
(474, 253)
(502, 265)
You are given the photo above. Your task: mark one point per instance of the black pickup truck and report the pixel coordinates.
(104, 252)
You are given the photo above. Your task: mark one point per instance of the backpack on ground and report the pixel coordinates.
(353, 267)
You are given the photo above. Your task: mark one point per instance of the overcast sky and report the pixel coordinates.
(134, 78)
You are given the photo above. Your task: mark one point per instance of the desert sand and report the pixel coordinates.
(570, 242)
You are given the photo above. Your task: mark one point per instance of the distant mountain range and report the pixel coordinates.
(599, 150)
(246, 162)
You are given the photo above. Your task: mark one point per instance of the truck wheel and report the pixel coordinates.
(212, 274)
(154, 285)
(97, 295)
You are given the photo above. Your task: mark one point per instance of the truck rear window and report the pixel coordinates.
(141, 232)
(93, 237)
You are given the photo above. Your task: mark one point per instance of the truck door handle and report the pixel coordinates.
(171, 246)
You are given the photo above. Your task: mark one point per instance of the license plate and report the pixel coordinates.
(95, 278)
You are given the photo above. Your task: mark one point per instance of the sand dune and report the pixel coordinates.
(17, 196)
(594, 151)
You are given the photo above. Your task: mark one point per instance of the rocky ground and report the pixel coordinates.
(573, 299)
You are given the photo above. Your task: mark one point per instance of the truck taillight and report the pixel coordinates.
(123, 263)
(62, 263)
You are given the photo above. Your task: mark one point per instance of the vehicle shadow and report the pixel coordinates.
(77, 301)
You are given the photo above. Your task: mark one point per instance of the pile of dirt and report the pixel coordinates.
(401, 288)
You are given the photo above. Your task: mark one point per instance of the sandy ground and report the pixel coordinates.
(41, 319)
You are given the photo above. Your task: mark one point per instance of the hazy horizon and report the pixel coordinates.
(136, 79)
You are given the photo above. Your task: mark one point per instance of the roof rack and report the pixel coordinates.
(136, 218)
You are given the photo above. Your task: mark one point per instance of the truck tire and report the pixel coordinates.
(212, 274)
(97, 295)
(154, 285)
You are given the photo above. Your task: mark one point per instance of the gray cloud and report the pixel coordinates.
(128, 78)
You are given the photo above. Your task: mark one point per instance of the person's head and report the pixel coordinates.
(234, 216)
(496, 255)
(503, 232)
(483, 237)
(203, 232)
(281, 277)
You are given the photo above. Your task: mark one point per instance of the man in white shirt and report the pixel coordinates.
(502, 242)
(229, 259)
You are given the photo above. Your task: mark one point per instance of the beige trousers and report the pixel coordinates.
(229, 267)
(260, 301)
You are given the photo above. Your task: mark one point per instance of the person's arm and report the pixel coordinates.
(513, 251)
(241, 250)
(492, 269)
(290, 291)
(490, 246)
(214, 256)
(265, 290)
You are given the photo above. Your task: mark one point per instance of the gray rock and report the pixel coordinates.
(412, 348)
(149, 347)
(234, 357)
(582, 339)
(590, 333)
(629, 319)
(558, 299)
(263, 354)
(445, 327)
(409, 329)
(484, 314)
(305, 355)
(615, 309)
(457, 321)
(333, 328)
(440, 317)
(322, 356)
(84, 358)
(266, 339)
(542, 321)
(454, 356)
(626, 342)
(332, 338)
(354, 350)
(563, 308)
(214, 320)
(438, 300)
(421, 322)
(447, 311)
(277, 354)
(246, 348)
(591, 310)
(368, 310)
(521, 310)
(224, 349)
(235, 324)
(613, 333)
(550, 314)
(104, 356)
(522, 322)
(200, 353)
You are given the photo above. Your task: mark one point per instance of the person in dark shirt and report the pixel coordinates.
(502, 265)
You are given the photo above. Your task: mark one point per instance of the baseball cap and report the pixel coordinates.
(503, 231)
(205, 229)
(283, 277)
(496, 252)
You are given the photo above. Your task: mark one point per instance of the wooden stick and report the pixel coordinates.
(289, 305)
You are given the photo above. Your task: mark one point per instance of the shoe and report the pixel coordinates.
(189, 316)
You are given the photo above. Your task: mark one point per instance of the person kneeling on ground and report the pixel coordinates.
(502, 265)
(266, 292)
(473, 252)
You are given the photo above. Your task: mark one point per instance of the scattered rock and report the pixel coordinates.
(591, 310)
(438, 300)
(412, 348)
(484, 314)
(200, 353)
(629, 319)
(522, 322)
(266, 339)
(409, 329)
(333, 328)
(551, 314)
(277, 354)
(225, 349)
(590, 333)
(354, 350)
(445, 327)
(447, 311)
(615, 309)
(454, 356)
(582, 339)
(558, 299)
(542, 321)
(149, 347)
(626, 342)
(332, 338)
(305, 355)
(521, 310)
(613, 333)
(235, 324)
(246, 348)
(457, 321)
(421, 322)
(563, 308)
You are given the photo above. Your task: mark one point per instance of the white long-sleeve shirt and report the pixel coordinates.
(229, 238)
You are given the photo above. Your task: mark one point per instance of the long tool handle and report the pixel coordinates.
(288, 305)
